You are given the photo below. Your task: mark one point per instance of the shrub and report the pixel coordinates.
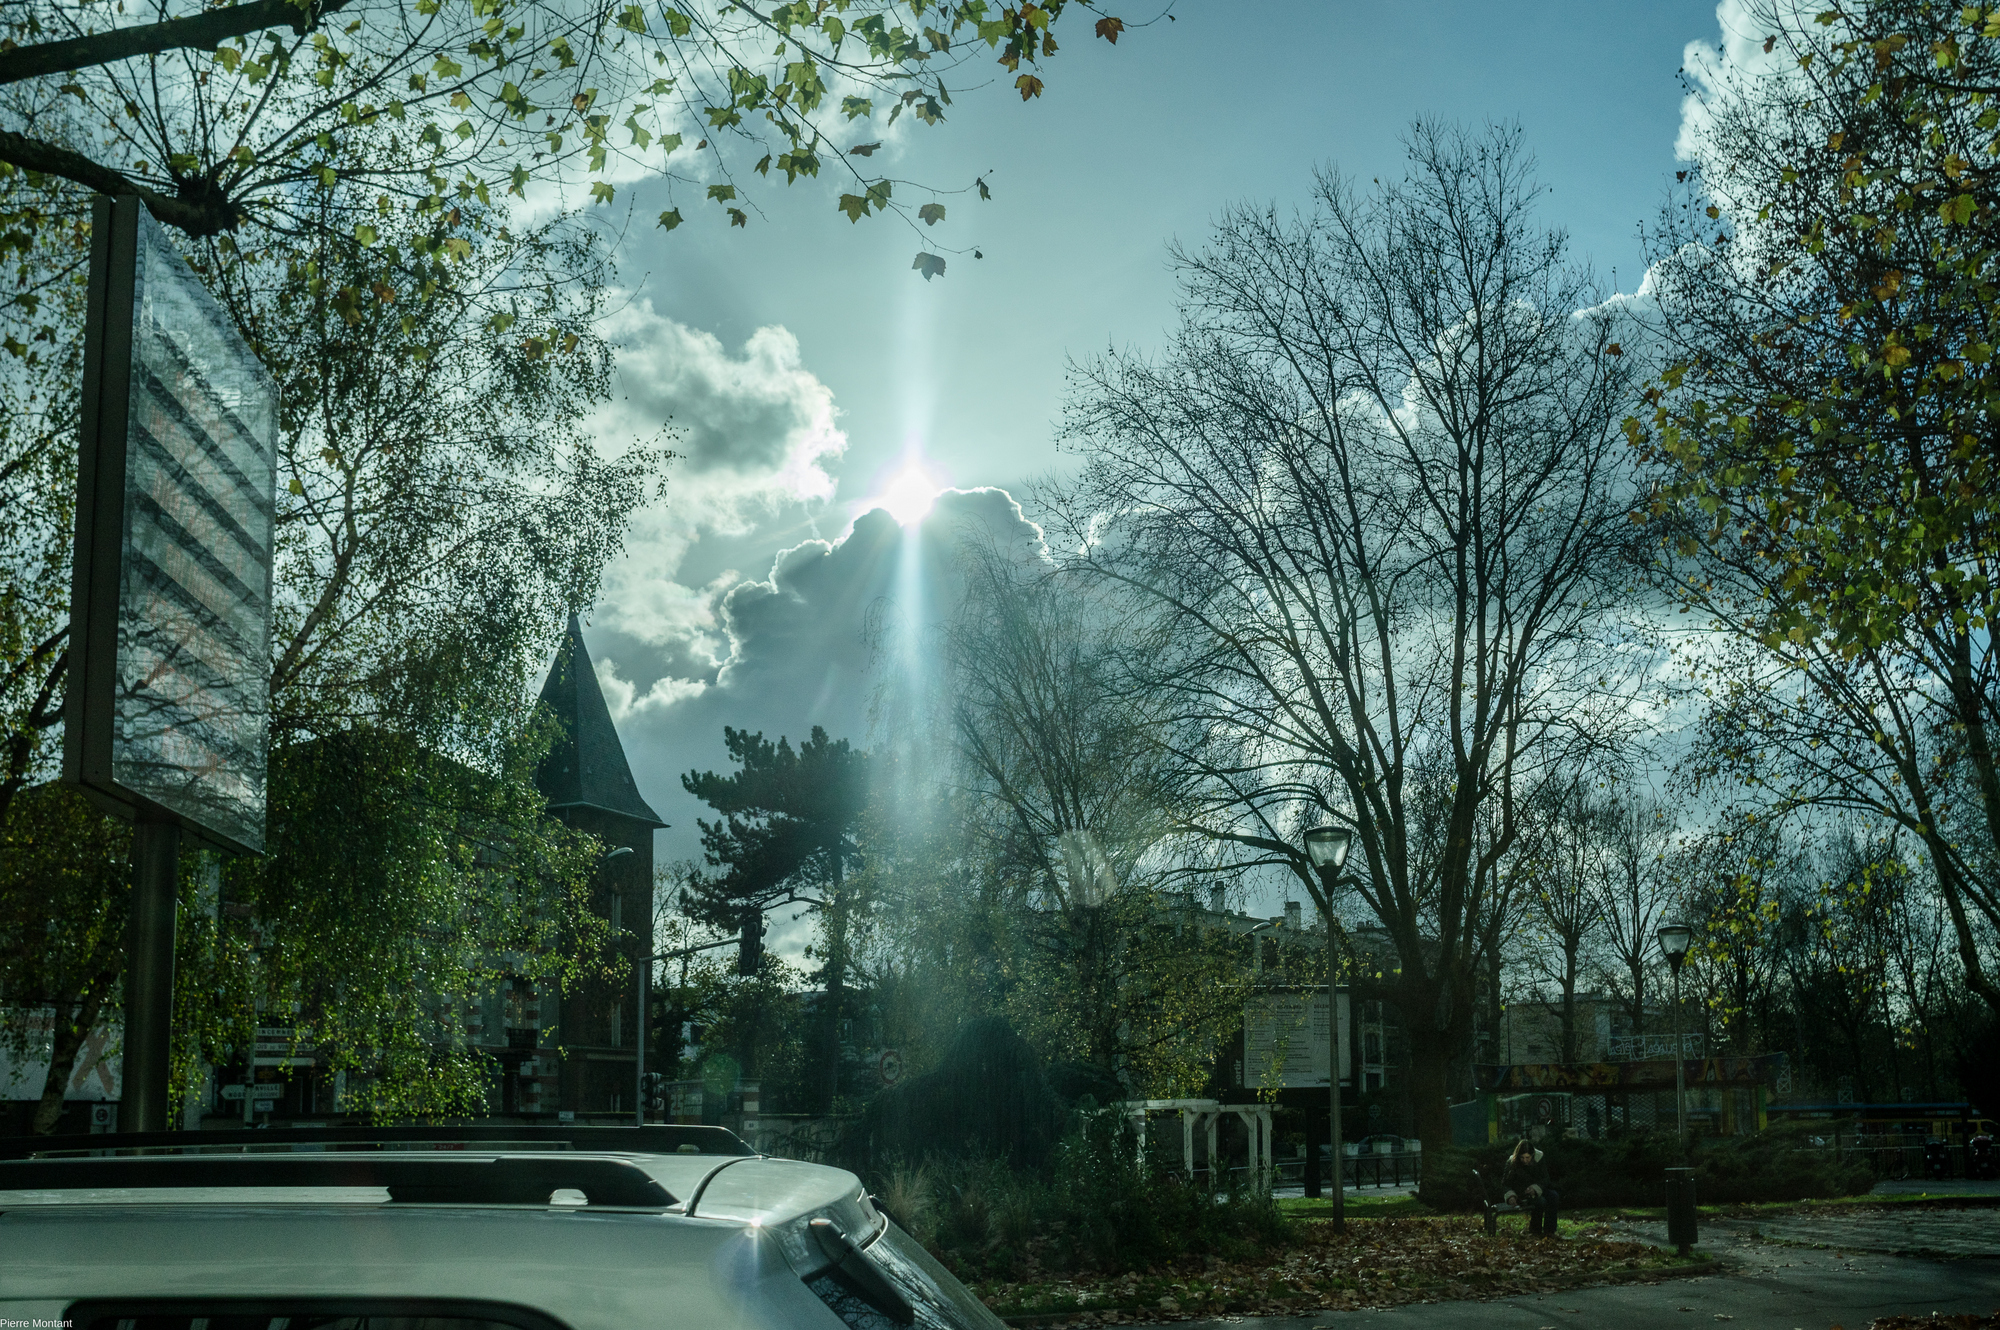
(987, 1099)
(1097, 1206)
(1630, 1169)
(1448, 1183)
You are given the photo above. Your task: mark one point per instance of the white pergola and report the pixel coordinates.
(1207, 1114)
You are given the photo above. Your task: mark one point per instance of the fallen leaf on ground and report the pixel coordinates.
(1378, 1263)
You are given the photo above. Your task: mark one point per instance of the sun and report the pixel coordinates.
(909, 496)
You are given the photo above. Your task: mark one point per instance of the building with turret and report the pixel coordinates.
(589, 786)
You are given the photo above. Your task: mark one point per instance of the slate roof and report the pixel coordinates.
(586, 767)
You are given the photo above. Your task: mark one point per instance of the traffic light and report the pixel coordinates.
(656, 1092)
(750, 952)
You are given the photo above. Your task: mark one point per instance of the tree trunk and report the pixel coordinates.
(1431, 1053)
(68, 1038)
(836, 981)
(1569, 1004)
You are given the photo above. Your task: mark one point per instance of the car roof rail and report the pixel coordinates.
(470, 1180)
(651, 1139)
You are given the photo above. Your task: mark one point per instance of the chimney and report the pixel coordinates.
(1292, 915)
(1217, 902)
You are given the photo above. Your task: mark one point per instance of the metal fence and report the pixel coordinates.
(1895, 1156)
(1401, 1169)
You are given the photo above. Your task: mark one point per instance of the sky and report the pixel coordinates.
(812, 376)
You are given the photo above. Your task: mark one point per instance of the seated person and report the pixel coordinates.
(1527, 1185)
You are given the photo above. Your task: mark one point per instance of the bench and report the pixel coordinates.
(1491, 1211)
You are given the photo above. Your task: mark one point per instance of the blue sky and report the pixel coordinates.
(809, 365)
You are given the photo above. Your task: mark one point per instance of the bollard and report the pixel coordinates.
(1680, 1209)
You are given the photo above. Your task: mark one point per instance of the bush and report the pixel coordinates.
(987, 1099)
(1097, 1206)
(1448, 1184)
(1630, 1169)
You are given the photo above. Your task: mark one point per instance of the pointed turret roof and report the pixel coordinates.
(586, 768)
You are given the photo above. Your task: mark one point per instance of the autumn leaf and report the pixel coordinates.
(930, 265)
(984, 192)
(931, 213)
(1029, 85)
(1109, 28)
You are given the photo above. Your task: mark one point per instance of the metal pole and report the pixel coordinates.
(1333, 1065)
(1680, 1070)
(149, 976)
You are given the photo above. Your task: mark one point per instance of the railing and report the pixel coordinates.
(1370, 1170)
(1896, 1156)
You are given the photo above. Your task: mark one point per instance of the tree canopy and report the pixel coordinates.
(219, 116)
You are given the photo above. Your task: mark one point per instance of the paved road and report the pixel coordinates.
(1767, 1282)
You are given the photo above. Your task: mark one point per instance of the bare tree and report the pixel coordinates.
(1070, 805)
(1633, 895)
(1373, 499)
(1565, 879)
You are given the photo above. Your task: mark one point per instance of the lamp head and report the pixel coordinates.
(1327, 846)
(1674, 940)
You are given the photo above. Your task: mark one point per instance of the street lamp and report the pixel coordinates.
(1327, 847)
(1674, 940)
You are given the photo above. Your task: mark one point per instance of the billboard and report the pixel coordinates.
(169, 697)
(1285, 1038)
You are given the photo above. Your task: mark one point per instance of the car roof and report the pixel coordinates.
(689, 1172)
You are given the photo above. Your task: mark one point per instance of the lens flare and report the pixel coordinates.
(909, 496)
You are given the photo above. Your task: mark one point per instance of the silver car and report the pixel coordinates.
(453, 1229)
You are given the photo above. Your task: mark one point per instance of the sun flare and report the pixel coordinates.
(909, 496)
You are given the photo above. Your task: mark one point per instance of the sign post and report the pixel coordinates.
(167, 716)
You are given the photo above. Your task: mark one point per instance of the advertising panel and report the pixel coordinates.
(171, 606)
(1285, 1041)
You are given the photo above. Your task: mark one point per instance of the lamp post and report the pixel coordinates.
(1327, 848)
(1674, 940)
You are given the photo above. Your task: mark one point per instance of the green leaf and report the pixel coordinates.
(601, 191)
(931, 213)
(856, 107)
(854, 205)
(722, 193)
(670, 219)
(930, 265)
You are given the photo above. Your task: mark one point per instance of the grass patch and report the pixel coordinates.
(1383, 1207)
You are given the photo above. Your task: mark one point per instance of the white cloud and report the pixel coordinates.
(756, 431)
